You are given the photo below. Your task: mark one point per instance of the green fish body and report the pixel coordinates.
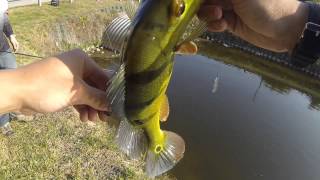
(143, 79)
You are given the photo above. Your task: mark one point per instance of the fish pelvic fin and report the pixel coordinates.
(187, 48)
(132, 140)
(165, 109)
(172, 152)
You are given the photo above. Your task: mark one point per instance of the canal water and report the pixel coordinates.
(240, 123)
(243, 118)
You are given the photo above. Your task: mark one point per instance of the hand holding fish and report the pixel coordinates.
(71, 78)
(272, 24)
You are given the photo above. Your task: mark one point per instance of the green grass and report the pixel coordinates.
(48, 30)
(58, 146)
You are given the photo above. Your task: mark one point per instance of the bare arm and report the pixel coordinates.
(55, 83)
(11, 99)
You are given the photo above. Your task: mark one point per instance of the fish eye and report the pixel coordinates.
(178, 7)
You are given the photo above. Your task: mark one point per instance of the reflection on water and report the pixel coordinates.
(274, 76)
(262, 123)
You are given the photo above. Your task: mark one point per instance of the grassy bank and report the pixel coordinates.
(47, 30)
(58, 145)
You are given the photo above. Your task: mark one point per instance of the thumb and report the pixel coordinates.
(94, 98)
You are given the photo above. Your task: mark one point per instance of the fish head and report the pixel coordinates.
(164, 21)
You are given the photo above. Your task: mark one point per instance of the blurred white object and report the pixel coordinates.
(3, 6)
(215, 85)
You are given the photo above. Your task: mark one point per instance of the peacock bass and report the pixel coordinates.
(137, 90)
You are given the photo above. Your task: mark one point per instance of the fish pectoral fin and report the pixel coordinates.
(172, 152)
(116, 90)
(165, 109)
(187, 48)
(195, 29)
(132, 140)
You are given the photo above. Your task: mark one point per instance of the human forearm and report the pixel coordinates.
(11, 90)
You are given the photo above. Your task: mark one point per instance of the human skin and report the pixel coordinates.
(14, 42)
(50, 85)
(272, 24)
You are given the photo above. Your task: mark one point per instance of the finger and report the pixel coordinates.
(95, 74)
(93, 97)
(218, 26)
(100, 78)
(92, 114)
(210, 13)
(83, 112)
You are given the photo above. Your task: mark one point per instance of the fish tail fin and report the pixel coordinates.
(131, 140)
(168, 157)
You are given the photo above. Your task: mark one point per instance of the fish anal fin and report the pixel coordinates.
(168, 157)
(165, 109)
(132, 140)
(188, 47)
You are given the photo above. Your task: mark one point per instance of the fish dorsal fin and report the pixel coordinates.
(165, 108)
(116, 33)
(195, 28)
(130, 8)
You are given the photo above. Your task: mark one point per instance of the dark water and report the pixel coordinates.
(252, 128)
(263, 122)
